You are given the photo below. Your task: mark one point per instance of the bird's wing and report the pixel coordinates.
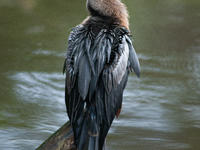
(123, 59)
(78, 73)
(84, 63)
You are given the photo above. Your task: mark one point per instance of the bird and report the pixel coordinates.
(100, 56)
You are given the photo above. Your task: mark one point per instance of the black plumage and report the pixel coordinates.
(99, 59)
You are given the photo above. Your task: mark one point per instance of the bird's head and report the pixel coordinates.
(109, 8)
(103, 7)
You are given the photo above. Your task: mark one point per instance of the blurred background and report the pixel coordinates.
(161, 110)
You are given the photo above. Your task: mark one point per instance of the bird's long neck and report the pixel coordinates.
(114, 9)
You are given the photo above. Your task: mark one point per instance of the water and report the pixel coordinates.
(160, 110)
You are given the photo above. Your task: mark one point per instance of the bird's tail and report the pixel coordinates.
(86, 132)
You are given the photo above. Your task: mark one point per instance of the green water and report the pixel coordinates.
(161, 110)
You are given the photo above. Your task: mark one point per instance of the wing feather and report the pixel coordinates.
(134, 62)
(115, 74)
(87, 47)
(84, 76)
(97, 68)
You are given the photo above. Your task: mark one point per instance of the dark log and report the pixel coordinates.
(62, 139)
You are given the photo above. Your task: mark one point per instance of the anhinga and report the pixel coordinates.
(99, 59)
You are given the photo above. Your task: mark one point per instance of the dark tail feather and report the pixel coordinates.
(88, 137)
(78, 128)
(92, 122)
(96, 134)
(102, 136)
(92, 143)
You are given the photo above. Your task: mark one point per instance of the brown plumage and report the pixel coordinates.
(114, 9)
